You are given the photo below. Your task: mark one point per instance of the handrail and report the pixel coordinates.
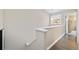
(43, 30)
(29, 43)
(52, 26)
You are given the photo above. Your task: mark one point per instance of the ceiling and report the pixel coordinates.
(51, 11)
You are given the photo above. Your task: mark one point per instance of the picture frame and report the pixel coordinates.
(55, 20)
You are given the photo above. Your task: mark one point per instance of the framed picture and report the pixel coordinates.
(55, 20)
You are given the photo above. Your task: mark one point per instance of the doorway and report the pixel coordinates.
(71, 19)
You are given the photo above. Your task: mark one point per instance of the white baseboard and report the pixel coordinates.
(55, 41)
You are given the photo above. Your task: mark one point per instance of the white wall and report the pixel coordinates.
(20, 27)
(1, 19)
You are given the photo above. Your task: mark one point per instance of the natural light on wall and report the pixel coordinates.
(55, 20)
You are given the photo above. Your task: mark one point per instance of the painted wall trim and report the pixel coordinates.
(55, 41)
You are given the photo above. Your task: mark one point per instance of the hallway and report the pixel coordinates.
(68, 42)
(29, 29)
